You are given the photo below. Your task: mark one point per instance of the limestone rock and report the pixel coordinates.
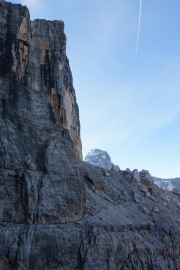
(57, 212)
(146, 178)
(167, 184)
(136, 175)
(93, 175)
(112, 235)
(128, 175)
(116, 168)
(155, 209)
(35, 77)
(145, 210)
(176, 191)
(137, 197)
(39, 122)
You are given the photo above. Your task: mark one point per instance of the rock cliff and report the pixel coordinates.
(35, 69)
(39, 121)
(56, 211)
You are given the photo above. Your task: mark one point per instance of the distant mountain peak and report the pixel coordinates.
(99, 158)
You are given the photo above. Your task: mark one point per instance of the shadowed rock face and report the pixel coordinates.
(57, 212)
(37, 81)
(39, 122)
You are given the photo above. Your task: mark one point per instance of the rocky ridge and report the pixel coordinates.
(102, 159)
(168, 184)
(56, 211)
(39, 122)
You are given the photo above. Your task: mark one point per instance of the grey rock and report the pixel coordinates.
(127, 175)
(57, 212)
(39, 122)
(155, 209)
(148, 195)
(146, 210)
(35, 79)
(176, 191)
(116, 168)
(146, 178)
(137, 197)
(136, 175)
(143, 188)
(93, 176)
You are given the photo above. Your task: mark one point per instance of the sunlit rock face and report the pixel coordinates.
(33, 61)
(39, 122)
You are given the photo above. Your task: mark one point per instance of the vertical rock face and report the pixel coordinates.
(50, 72)
(113, 220)
(39, 122)
(33, 56)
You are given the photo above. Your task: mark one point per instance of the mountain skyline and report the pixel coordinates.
(129, 106)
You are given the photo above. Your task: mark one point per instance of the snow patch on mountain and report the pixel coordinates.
(99, 158)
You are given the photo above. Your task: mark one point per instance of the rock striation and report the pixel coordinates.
(56, 211)
(35, 69)
(39, 122)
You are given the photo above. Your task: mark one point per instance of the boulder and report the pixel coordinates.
(176, 191)
(116, 168)
(146, 178)
(136, 175)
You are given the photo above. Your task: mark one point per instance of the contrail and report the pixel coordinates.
(139, 25)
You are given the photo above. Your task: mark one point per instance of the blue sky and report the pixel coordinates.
(129, 106)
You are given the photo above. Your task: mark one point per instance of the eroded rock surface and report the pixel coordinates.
(126, 226)
(37, 81)
(57, 212)
(39, 122)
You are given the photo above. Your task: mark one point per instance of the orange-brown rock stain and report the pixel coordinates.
(44, 45)
(20, 54)
(71, 120)
(23, 30)
(66, 115)
(20, 58)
